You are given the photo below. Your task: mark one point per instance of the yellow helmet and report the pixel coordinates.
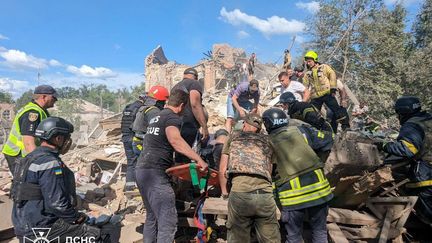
(311, 55)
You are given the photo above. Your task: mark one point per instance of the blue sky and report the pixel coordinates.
(105, 41)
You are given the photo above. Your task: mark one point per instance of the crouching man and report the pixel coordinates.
(247, 164)
(43, 190)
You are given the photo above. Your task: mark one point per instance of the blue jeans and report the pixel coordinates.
(159, 201)
(232, 112)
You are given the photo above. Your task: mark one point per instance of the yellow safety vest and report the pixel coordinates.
(15, 144)
(299, 194)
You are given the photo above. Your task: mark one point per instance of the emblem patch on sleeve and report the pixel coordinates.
(33, 116)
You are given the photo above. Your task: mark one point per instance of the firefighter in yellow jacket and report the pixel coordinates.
(301, 186)
(321, 80)
(21, 140)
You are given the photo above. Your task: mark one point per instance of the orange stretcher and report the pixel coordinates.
(183, 172)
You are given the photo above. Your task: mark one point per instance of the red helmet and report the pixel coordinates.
(158, 92)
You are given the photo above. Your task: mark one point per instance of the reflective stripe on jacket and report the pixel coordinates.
(15, 144)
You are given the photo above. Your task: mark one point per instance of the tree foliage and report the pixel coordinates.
(5, 97)
(368, 45)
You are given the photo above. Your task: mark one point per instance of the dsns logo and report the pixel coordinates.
(41, 236)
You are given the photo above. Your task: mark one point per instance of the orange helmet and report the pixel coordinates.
(158, 92)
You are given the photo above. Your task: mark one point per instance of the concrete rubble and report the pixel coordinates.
(367, 207)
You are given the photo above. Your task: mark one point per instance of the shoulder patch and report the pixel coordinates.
(33, 116)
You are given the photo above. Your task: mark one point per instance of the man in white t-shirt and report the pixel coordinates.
(297, 88)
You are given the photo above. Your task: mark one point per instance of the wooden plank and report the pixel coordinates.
(336, 234)
(386, 226)
(345, 216)
(394, 187)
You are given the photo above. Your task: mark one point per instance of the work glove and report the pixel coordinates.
(380, 145)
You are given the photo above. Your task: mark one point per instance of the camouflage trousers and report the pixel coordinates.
(247, 209)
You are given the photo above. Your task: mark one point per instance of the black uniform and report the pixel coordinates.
(308, 113)
(154, 184)
(414, 143)
(49, 200)
(128, 118)
(190, 125)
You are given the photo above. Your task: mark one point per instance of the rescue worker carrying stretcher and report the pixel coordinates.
(301, 186)
(43, 189)
(414, 144)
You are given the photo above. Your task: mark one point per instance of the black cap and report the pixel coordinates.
(45, 89)
(192, 71)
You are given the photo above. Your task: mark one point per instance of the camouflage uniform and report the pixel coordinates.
(251, 200)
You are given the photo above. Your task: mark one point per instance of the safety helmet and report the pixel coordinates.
(407, 105)
(287, 98)
(158, 92)
(53, 126)
(311, 55)
(274, 118)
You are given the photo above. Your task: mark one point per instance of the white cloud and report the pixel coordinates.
(19, 59)
(89, 72)
(404, 2)
(311, 7)
(13, 86)
(55, 63)
(2, 37)
(274, 25)
(242, 34)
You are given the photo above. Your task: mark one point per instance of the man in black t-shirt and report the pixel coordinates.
(194, 115)
(161, 139)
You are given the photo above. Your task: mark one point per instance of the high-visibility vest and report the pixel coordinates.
(298, 192)
(15, 144)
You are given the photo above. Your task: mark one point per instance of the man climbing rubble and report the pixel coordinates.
(247, 164)
(21, 140)
(321, 80)
(238, 102)
(194, 115)
(162, 138)
(153, 104)
(414, 145)
(303, 111)
(128, 117)
(43, 190)
(302, 188)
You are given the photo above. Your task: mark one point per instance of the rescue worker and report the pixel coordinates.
(161, 139)
(303, 111)
(414, 144)
(43, 189)
(251, 64)
(153, 104)
(128, 117)
(298, 73)
(246, 163)
(321, 80)
(297, 88)
(193, 115)
(301, 186)
(342, 99)
(238, 101)
(21, 140)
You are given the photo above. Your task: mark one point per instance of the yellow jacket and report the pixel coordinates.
(320, 79)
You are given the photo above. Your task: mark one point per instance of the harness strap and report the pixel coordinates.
(202, 185)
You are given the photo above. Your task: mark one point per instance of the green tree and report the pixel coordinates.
(5, 97)
(25, 98)
(423, 26)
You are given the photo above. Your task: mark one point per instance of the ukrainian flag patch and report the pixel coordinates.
(58, 171)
